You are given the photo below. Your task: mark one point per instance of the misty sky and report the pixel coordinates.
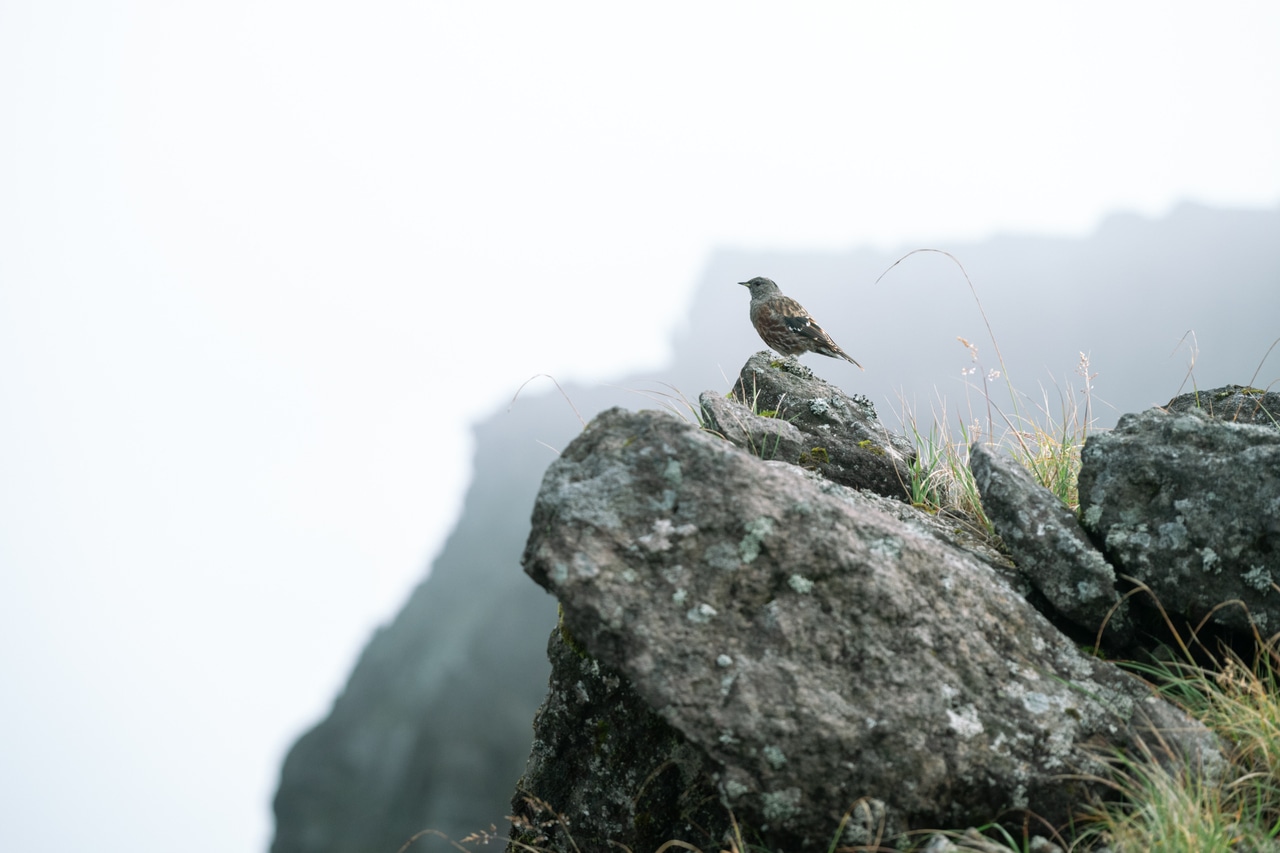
(262, 263)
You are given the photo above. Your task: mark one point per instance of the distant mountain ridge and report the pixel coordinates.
(433, 727)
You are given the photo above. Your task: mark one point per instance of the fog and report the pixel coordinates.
(261, 265)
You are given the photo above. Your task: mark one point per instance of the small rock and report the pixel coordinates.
(1048, 544)
(781, 411)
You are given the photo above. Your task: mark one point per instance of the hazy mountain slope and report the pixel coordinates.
(434, 726)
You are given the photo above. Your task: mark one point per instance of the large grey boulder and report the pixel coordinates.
(1189, 506)
(1048, 545)
(805, 652)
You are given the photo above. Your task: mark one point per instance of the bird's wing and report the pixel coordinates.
(799, 322)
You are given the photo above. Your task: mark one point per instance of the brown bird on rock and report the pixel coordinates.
(784, 325)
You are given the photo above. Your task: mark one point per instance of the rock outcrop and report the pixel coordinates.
(1189, 505)
(779, 410)
(804, 660)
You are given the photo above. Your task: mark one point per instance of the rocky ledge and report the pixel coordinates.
(757, 627)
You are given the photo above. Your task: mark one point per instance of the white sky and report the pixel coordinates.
(261, 263)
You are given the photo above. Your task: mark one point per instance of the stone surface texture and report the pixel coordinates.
(606, 763)
(1189, 506)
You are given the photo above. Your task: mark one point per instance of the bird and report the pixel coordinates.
(784, 325)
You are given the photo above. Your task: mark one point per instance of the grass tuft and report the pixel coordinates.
(1044, 437)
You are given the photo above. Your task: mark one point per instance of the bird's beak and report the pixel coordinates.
(744, 284)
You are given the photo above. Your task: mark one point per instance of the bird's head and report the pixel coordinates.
(760, 286)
